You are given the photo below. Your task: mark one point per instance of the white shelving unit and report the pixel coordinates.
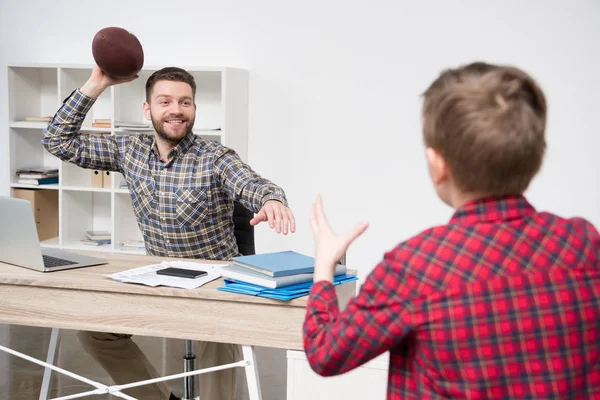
(39, 90)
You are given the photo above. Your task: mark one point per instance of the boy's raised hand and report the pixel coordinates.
(329, 247)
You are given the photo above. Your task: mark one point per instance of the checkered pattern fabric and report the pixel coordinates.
(503, 302)
(183, 206)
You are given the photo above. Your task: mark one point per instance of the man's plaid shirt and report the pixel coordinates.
(184, 206)
(503, 302)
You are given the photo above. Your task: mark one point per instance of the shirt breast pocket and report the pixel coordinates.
(143, 198)
(191, 206)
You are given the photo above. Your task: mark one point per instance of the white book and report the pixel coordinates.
(242, 274)
(35, 182)
(37, 176)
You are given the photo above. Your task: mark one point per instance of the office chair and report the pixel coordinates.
(244, 237)
(244, 232)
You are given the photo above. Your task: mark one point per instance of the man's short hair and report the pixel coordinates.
(170, 74)
(488, 123)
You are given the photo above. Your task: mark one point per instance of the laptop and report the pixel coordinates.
(20, 245)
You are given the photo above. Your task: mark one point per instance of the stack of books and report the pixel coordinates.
(133, 126)
(96, 238)
(37, 175)
(101, 123)
(38, 119)
(282, 275)
(132, 244)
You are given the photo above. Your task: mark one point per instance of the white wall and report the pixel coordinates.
(335, 86)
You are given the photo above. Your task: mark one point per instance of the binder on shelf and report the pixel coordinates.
(106, 179)
(97, 179)
(45, 210)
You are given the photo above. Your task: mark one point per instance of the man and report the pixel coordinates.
(503, 301)
(182, 190)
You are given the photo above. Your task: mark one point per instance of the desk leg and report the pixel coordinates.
(52, 350)
(251, 373)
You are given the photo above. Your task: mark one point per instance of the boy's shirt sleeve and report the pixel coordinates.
(374, 321)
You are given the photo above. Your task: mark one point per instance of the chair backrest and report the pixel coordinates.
(244, 232)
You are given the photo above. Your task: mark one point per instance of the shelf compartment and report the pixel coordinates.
(84, 211)
(32, 92)
(73, 78)
(27, 151)
(127, 227)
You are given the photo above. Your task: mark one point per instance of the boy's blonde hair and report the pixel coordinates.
(488, 123)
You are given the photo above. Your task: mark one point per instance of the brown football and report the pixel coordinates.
(118, 52)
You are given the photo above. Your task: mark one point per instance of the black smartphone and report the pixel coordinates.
(181, 272)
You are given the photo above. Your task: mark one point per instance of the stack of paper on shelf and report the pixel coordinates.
(96, 238)
(37, 175)
(282, 275)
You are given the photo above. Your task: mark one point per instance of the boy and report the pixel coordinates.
(503, 301)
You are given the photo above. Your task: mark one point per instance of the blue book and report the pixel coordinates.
(285, 293)
(282, 263)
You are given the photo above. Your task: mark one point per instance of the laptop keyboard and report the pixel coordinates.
(53, 262)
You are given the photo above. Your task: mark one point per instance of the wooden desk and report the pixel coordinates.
(85, 299)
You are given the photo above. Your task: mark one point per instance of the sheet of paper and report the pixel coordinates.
(147, 275)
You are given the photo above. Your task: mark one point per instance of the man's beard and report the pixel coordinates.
(159, 127)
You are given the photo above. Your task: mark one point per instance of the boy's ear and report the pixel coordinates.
(438, 169)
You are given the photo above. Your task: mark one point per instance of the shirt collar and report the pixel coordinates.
(493, 209)
(184, 144)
